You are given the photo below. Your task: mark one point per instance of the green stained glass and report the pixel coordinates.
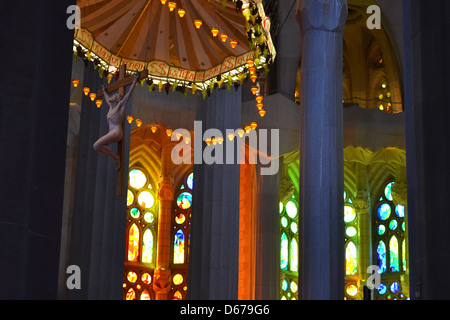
(403, 226)
(147, 246)
(393, 224)
(137, 179)
(351, 232)
(345, 195)
(350, 200)
(184, 200)
(381, 257)
(293, 255)
(281, 207)
(349, 214)
(387, 191)
(284, 251)
(381, 229)
(291, 209)
(149, 217)
(294, 227)
(400, 211)
(351, 262)
(135, 213)
(384, 211)
(393, 254)
(284, 222)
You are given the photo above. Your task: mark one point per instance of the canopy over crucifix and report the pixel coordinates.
(116, 119)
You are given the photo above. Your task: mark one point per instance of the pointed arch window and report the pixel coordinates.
(289, 250)
(181, 225)
(389, 249)
(352, 239)
(142, 226)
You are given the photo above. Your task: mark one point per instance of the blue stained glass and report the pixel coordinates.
(393, 224)
(190, 181)
(381, 229)
(381, 256)
(387, 191)
(284, 251)
(395, 287)
(184, 200)
(284, 285)
(400, 211)
(384, 211)
(178, 248)
(382, 289)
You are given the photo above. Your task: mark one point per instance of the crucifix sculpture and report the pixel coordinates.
(116, 120)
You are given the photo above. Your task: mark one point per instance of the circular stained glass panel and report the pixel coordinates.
(284, 285)
(132, 276)
(351, 232)
(146, 278)
(281, 207)
(291, 209)
(137, 179)
(294, 227)
(384, 211)
(135, 213)
(177, 279)
(381, 229)
(146, 199)
(352, 290)
(395, 287)
(190, 181)
(184, 200)
(294, 286)
(149, 217)
(349, 214)
(180, 218)
(284, 222)
(382, 289)
(393, 224)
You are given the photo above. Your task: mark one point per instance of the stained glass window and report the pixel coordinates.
(389, 247)
(181, 223)
(289, 251)
(142, 227)
(352, 236)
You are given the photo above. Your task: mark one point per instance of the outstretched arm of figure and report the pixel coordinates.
(105, 94)
(130, 92)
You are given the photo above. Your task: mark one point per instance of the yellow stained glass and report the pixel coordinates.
(146, 199)
(131, 294)
(130, 198)
(178, 296)
(133, 243)
(177, 279)
(145, 295)
(351, 262)
(132, 276)
(349, 214)
(352, 290)
(146, 278)
(137, 179)
(147, 246)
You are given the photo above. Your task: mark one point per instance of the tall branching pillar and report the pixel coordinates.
(321, 149)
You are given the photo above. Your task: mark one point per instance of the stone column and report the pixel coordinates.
(98, 229)
(427, 48)
(34, 107)
(321, 149)
(267, 283)
(214, 246)
(162, 284)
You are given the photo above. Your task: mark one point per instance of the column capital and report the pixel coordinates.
(165, 191)
(362, 201)
(161, 281)
(325, 15)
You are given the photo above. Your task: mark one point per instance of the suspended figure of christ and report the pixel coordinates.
(115, 118)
